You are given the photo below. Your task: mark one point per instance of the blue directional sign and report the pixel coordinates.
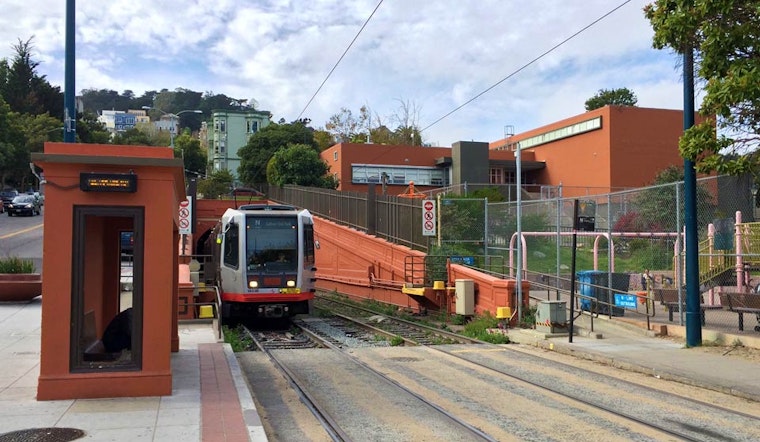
(468, 260)
(622, 300)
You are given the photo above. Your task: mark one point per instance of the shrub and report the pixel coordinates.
(16, 265)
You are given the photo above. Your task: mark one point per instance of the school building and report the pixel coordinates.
(599, 151)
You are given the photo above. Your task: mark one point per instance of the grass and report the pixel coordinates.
(237, 338)
(16, 265)
(479, 327)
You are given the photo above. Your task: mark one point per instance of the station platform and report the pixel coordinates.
(210, 400)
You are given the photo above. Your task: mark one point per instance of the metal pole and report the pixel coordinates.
(693, 320)
(559, 236)
(518, 266)
(171, 132)
(69, 94)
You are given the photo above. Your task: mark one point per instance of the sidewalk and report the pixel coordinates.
(626, 344)
(210, 400)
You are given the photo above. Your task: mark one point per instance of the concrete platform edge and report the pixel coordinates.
(248, 407)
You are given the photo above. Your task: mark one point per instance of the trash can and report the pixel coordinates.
(594, 285)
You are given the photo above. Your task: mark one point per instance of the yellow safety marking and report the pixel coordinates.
(21, 231)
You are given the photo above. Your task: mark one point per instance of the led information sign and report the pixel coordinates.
(107, 182)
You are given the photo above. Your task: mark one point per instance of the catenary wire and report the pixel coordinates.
(339, 60)
(526, 65)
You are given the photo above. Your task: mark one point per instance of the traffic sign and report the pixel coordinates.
(428, 218)
(185, 216)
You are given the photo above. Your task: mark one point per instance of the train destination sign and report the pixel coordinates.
(107, 182)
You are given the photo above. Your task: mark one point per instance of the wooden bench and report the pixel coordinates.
(669, 298)
(741, 303)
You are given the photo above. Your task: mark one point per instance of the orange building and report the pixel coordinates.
(599, 151)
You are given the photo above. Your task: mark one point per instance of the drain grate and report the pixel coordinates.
(42, 435)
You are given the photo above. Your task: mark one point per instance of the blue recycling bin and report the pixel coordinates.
(594, 284)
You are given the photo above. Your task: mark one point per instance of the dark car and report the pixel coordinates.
(24, 204)
(127, 243)
(7, 196)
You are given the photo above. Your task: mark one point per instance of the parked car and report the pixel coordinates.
(24, 204)
(7, 196)
(127, 243)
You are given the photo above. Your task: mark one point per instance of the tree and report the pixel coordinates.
(724, 36)
(218, 183)
(345, 128)
(24, 90)
(255, 155)
(90, 130)
(11, 142)
(132, 137)
(652, 217)
(613, 97)
(189, 149)
(301, 165)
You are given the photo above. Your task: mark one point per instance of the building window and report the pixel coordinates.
(497, 175)
(335, 156)
(251, 126)
(400, 175)
(222, 126)
(221, 146)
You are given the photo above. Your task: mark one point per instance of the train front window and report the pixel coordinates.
(272, 243)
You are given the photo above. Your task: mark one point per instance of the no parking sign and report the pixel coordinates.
(428, 218)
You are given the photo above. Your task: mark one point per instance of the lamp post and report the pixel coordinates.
(172, 117)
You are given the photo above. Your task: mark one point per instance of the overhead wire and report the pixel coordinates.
(526, 65)
(340, 59)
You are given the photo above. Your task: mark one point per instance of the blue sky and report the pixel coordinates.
(434, 56)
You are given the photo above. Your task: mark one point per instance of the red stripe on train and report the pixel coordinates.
(267, 297)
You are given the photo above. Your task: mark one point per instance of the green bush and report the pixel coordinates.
(16, 265)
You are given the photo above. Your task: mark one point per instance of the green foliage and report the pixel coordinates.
(529, 317)
(652, 200)
(301, 165)
(614, 97)
(16, 265)
(491, 193)
(218, 183)
(90, 130)
(396, 341)
(479, 326)
(255, 156)
(724, 35)
(189, 149)
(132, 137)
(237, 338)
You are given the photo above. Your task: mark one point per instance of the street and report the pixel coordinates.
(21, 237)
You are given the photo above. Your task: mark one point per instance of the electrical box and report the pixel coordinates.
(551, 316)
(465, 297)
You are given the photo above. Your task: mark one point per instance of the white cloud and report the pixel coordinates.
(437, 55)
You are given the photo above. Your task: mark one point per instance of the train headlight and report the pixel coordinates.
(291, 283)
(253, 284)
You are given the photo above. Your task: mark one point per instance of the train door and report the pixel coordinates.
(230, 261)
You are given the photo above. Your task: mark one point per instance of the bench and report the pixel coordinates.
(669, 298)
(741, 303)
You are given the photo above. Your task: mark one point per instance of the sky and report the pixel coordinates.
(428, 56)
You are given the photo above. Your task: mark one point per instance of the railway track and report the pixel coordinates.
(436, 419)
(678, 425)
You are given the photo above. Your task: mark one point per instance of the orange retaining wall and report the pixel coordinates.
(366, 267)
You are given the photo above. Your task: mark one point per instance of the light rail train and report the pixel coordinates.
(265, 261)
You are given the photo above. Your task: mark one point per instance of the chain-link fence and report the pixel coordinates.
(635, 231)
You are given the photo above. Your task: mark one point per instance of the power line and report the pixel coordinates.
(340, 59)
(527, 64)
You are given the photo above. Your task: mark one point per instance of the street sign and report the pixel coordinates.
(185, 216)
(428, 218)
(585, 216)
